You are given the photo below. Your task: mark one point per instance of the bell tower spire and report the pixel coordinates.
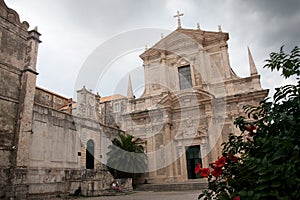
(129, 89)
(253, 70)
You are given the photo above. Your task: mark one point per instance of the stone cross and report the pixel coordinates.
(178, 17)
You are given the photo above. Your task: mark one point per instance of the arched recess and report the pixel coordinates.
(90, 151)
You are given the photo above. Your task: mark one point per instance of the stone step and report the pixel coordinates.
(197, 185)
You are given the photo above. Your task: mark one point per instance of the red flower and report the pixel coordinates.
(233, 158)
(236, 198)
(221, 162)
(252, 133)
(212, 165)
(198, 168)
(250, 128)
(204, 172)
(217, 171)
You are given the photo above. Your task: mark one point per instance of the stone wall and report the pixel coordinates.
(17, 74)
(57, 153)
(54, 140)
(50, 183)
(92, 182)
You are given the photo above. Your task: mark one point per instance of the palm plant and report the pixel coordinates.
(126, 158)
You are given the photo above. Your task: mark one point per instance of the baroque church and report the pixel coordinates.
(190, 101)
(52, 145)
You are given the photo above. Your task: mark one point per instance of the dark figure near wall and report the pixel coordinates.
(77, 191)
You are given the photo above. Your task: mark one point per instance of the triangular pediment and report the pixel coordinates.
(182, 39)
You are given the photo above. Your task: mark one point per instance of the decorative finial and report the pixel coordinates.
(178, 15)
(162, 36)
(219, 28)
(36, 28)
(198, 26)
(253, 70)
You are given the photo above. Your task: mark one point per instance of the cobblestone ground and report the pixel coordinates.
(180, 195)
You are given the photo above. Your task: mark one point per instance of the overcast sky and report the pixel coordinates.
(72, 30)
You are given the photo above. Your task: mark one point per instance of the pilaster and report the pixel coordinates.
(26, 99)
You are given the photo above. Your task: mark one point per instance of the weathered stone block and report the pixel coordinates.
(4, 157)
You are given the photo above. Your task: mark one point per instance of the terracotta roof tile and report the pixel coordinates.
(111, 98)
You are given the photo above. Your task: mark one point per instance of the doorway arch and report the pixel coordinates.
(90, 159)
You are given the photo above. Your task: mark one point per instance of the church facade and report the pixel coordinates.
(51, 145)
(190, 101)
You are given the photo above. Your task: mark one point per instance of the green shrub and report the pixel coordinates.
(263, 162)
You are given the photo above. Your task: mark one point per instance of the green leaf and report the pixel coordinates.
(269, 162)
(275, 184)
(200, 196)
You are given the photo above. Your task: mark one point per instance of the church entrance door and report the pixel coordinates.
(193, 157)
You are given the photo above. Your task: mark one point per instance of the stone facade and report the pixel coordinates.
(191, 99)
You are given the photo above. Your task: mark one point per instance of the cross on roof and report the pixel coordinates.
(178, 18)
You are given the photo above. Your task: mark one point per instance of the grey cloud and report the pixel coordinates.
(112, 16)
(276, 22)
(280, 8)
(72, 28)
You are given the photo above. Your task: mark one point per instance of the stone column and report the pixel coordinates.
(225, 60)
(183, 163)
(208, 150)
(146, 66)
(169, 151)
(151, 156)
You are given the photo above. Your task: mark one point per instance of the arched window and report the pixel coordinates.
(89, 161)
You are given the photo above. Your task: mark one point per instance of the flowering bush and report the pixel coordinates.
(263, 162)
(204, 172)
(222, 169)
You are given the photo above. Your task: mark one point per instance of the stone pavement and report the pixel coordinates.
(174, 195)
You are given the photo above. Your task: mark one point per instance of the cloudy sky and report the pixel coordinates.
(73, 29)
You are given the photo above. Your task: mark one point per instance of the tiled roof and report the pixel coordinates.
(52, 93)
(64, 108)
(111, 98)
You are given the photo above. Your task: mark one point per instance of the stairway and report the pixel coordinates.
(191, 185)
